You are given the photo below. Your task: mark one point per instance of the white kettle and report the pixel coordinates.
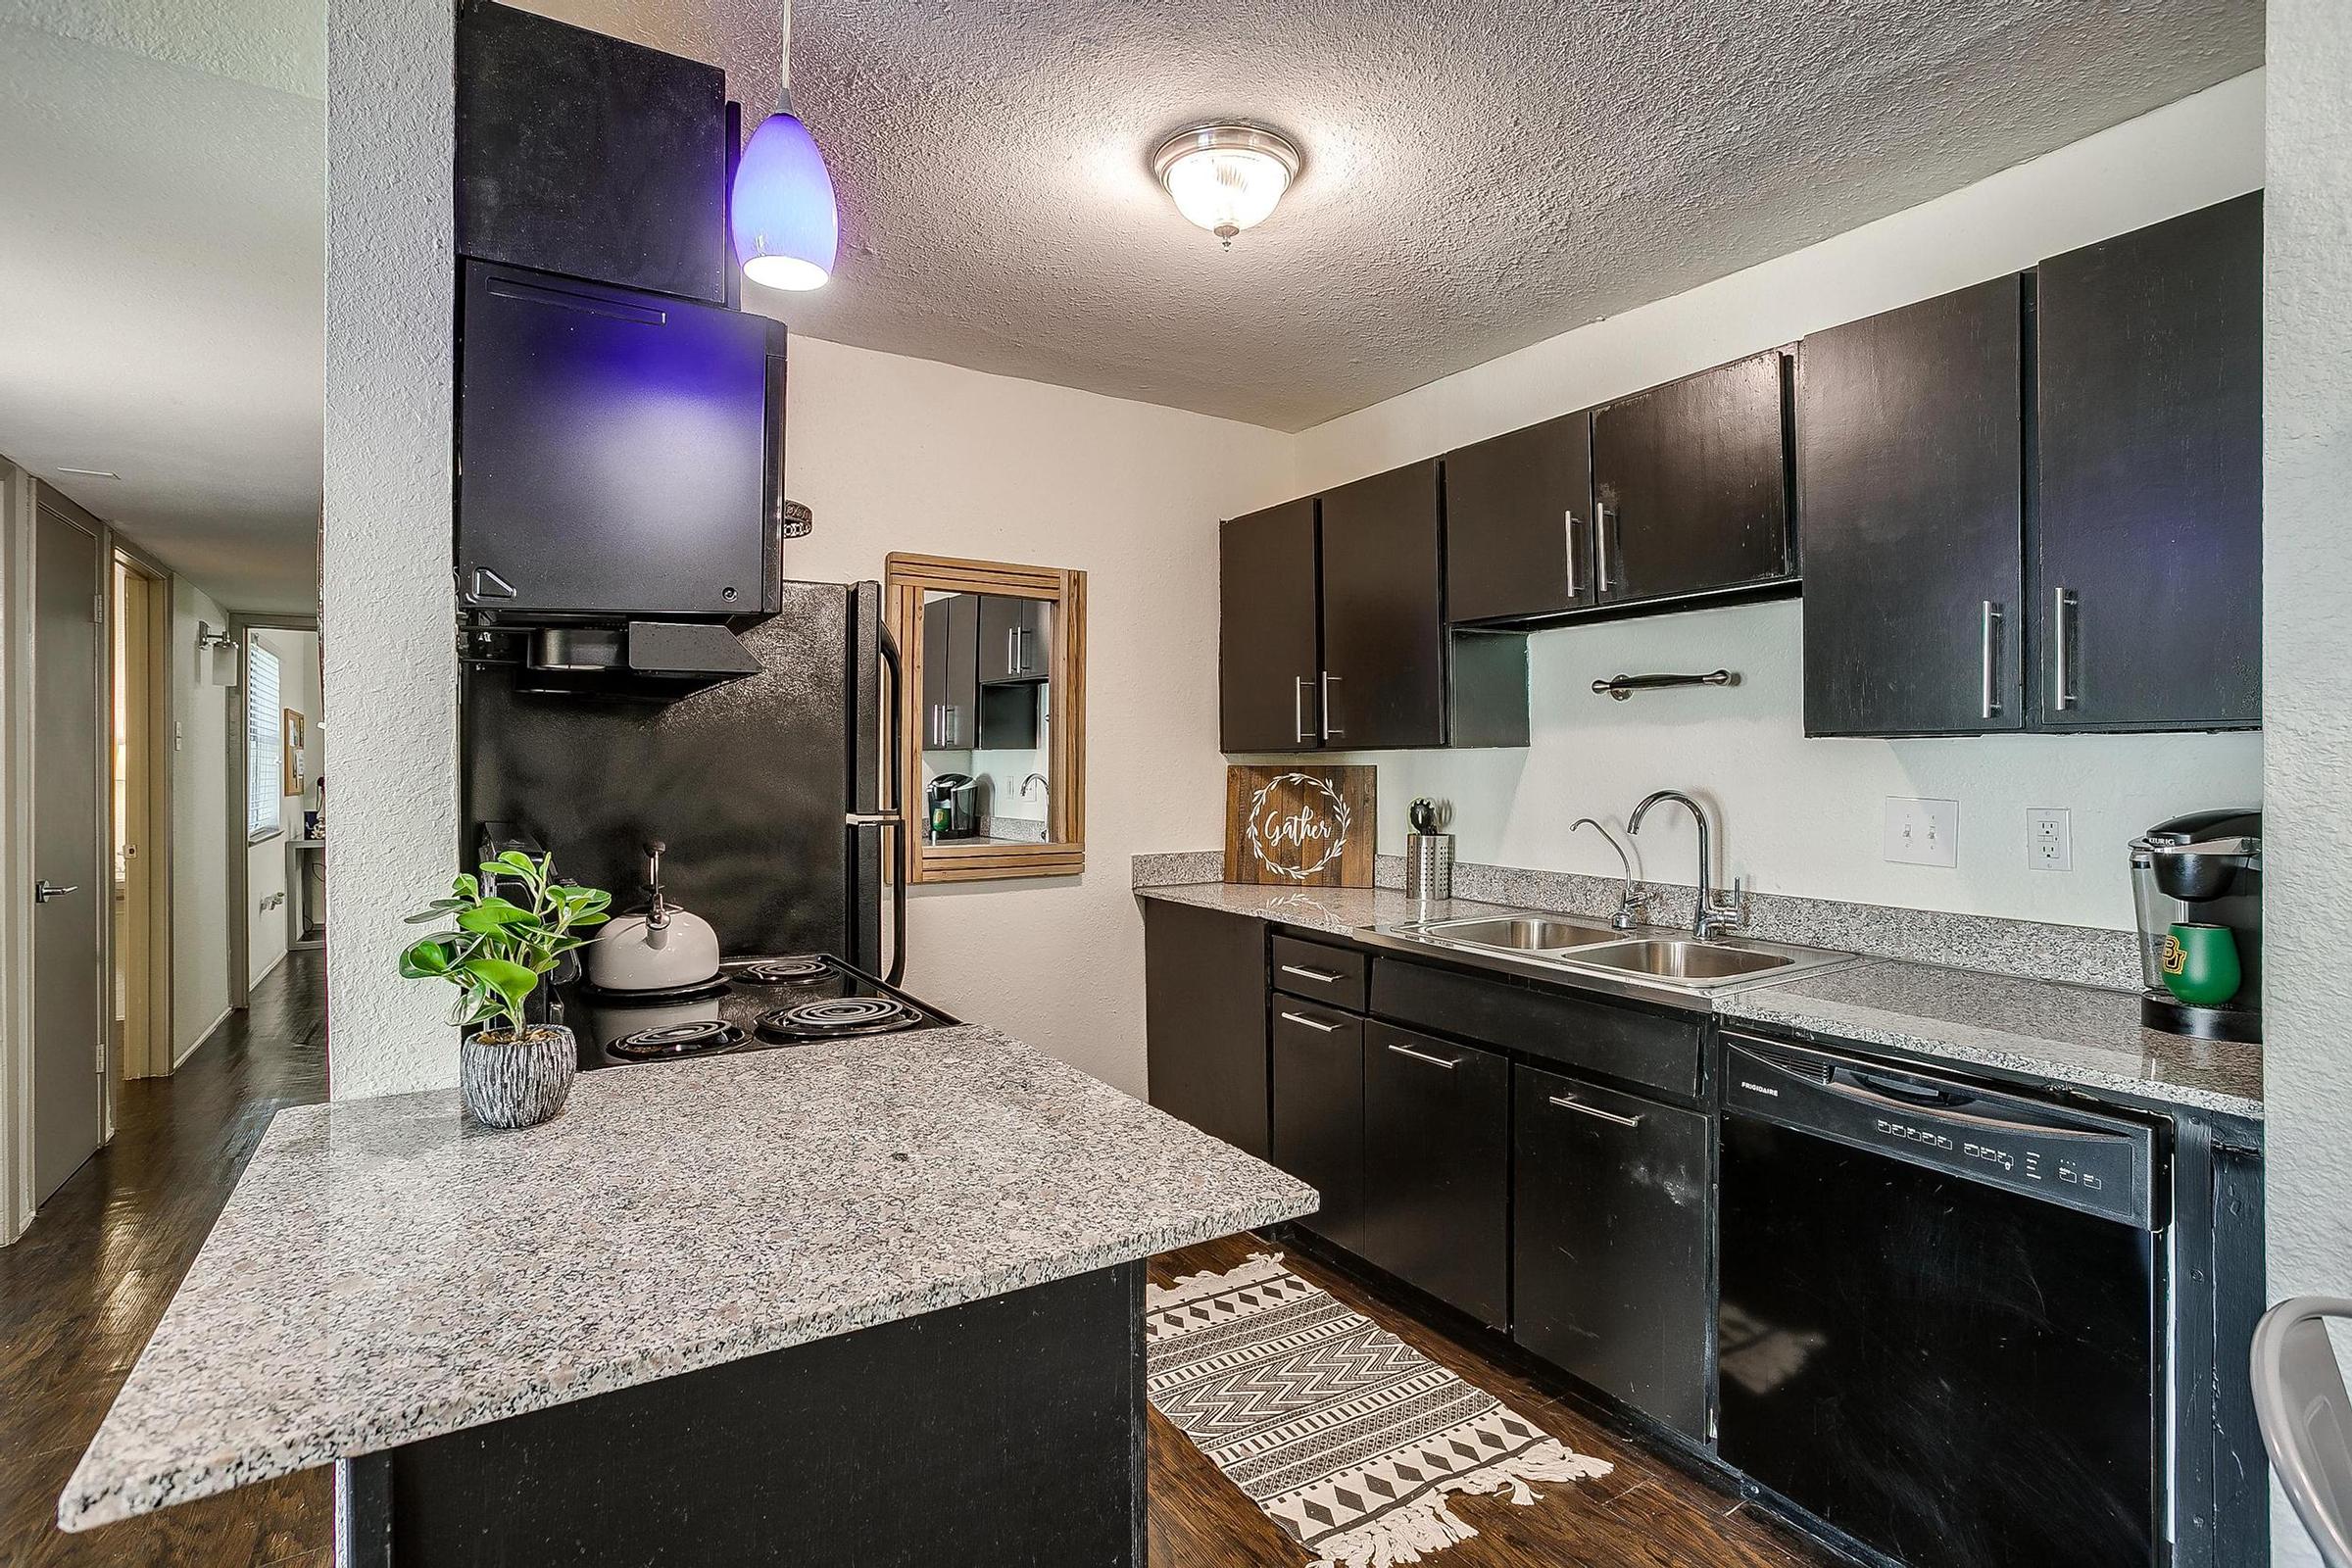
(661, 950)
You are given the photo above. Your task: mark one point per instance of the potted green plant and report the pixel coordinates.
(512, 1071)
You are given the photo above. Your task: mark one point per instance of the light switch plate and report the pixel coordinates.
(2049, 838)
(1922, 832)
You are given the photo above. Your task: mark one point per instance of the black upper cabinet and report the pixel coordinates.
(1384, 614)
(1014, 639)
(1910, 481)
(950, 674)
(1519, 524)
(1205, 1020)
(580, 154)
(1437, 1168)
(2147, 560)
(1270, 651)
(1691, 485)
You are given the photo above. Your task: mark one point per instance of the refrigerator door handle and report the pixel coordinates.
(894, 817)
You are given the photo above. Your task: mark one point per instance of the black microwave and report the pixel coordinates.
(621, 454)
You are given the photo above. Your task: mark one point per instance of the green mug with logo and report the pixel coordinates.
(2200, 964)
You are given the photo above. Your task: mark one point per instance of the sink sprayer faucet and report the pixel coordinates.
(1631, 910)
(1711, 912)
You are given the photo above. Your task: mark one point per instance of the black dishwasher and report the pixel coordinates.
(1939, 1315)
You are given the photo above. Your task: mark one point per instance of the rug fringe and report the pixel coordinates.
(1428, 1524)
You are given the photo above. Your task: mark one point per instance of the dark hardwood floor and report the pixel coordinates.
(1643, 1514)
(81, 1289)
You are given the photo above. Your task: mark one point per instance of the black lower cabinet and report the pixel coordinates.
(1319, 1112)
(1610, 1244)
(1437, 1168)
(1204, 1019)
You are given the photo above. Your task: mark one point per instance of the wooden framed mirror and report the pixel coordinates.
(992, 726)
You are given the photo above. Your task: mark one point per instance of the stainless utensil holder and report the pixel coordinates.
(1429, 866)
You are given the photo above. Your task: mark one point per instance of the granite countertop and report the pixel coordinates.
(2061, 1033)
(1337, 910)
(385, 1271)
(2065, 1033)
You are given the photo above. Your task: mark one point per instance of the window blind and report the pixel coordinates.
(265, 721)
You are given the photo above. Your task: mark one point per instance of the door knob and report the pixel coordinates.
(44, 890)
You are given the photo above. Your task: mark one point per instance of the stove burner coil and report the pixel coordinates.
(687, 1038)
(841, 1015)
(783, 971)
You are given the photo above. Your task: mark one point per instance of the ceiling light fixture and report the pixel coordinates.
(786, 230)
(1226, 178)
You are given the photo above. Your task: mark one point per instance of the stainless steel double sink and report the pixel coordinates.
(1648, 957)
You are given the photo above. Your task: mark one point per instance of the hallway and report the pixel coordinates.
(82, 1291)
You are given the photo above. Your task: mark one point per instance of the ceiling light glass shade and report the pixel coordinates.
(786, 228)
(1226, 178)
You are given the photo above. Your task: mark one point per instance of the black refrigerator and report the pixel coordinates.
(756, 785)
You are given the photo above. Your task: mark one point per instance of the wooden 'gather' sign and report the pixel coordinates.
(1303, 827)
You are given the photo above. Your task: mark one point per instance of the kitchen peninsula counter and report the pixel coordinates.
(387, 1273)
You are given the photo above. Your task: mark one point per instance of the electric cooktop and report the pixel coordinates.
(753, 1004)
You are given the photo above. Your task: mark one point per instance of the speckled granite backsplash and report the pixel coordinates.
(2081, 955)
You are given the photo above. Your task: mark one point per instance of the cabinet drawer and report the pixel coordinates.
(1618, 1041)
(1437, 1168)
(1319, 1112)
(1610, 1278)
(1319, 973)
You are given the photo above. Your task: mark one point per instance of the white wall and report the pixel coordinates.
(265, 862)
(1804, 817)
(900, 453)
(2307, 646)
(201, 813)
(385, 599)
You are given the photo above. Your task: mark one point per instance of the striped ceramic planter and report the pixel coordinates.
(516, 1083)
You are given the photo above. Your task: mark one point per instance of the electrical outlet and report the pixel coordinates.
(1922, 832)
(2049, 838)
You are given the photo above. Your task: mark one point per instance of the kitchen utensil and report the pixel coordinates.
(663, 949)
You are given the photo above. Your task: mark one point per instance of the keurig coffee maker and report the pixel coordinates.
(2196, 872)
(952, 807)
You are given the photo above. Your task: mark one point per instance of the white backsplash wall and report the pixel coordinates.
(1795, 815)
(1804, 817)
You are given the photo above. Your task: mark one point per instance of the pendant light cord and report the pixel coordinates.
(784, 56)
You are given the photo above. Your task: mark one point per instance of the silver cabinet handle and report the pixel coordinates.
(1298, 722)
(1988, 632)
(1012, 650)
(1330, 730)
(1600, 548)
(1572, 587)
(2062, 634)
(1319, 976)
(44, 890)
(1423, 1056)
(1571, 1103)
(1316, 1024)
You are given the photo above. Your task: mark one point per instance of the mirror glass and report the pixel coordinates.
(986, 718)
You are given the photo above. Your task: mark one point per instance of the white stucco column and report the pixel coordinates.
(2307, 661)
(386, 604)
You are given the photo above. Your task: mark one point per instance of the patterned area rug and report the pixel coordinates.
(1348, 1438)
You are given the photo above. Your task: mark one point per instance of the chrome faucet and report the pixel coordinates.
(1038, 779)
(1711, 913)
(1631, 910)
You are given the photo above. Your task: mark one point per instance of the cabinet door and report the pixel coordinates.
(1013, 644)
(1519, 524)
(1318, 1133)
(1269, 649)
(1609, 1244)
(1691, 485)
(950, 674)
(2148, 521)
(1437, 1163)
(1384, 624)
(1910, 459)
(1205, 1020)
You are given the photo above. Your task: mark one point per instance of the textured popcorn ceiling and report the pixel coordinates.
(1481, 173)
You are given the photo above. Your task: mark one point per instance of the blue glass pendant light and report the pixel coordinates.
(786, 230)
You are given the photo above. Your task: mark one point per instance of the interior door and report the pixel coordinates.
(68, 827)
